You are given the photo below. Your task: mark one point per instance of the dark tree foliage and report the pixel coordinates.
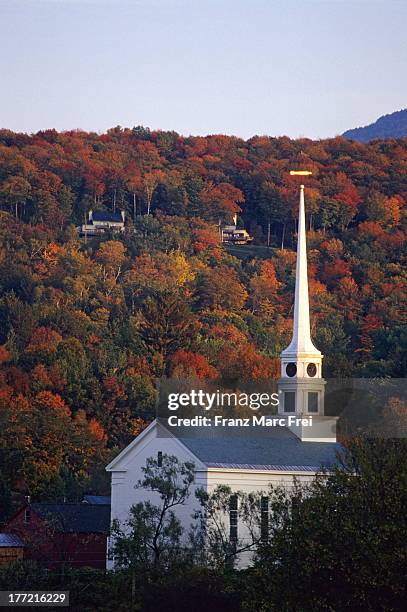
(341, 544)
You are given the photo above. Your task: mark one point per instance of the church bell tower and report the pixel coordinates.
(301, 386)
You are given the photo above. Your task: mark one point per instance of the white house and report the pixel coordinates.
(231, 235)
(100, 221)
(246, 459)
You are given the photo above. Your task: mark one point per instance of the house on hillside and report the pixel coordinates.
(101, 221)
(246, 459)
(73, 534)
(232, 235)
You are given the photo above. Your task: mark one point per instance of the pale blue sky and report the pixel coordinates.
(296, 67)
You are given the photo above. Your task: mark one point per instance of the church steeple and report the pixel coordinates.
(301, 381)
(301, 339)
(301, 386)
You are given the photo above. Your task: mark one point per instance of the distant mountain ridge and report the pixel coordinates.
(393, 125)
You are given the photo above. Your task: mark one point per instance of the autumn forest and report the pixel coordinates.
(87, 325)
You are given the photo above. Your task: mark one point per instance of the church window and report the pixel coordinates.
(289, 401)
(159, 459)
(27, 515)
(311, 370)
(264, 519)
(312, 401)
(233, 518)
(291, 369)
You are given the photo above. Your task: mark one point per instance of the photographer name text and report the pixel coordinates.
(253, 421)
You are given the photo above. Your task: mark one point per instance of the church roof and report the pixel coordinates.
(276, 448)
(252, 448)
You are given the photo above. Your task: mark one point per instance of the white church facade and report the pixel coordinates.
(243, 458)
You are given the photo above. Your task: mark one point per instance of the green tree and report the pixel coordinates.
(151, 537)
(167, 324)
(15, 190)
(339, 544)
(212, 536)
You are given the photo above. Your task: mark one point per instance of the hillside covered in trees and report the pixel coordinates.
(393, 125)
(87, 325)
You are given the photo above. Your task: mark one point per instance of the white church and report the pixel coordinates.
(246, 459)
